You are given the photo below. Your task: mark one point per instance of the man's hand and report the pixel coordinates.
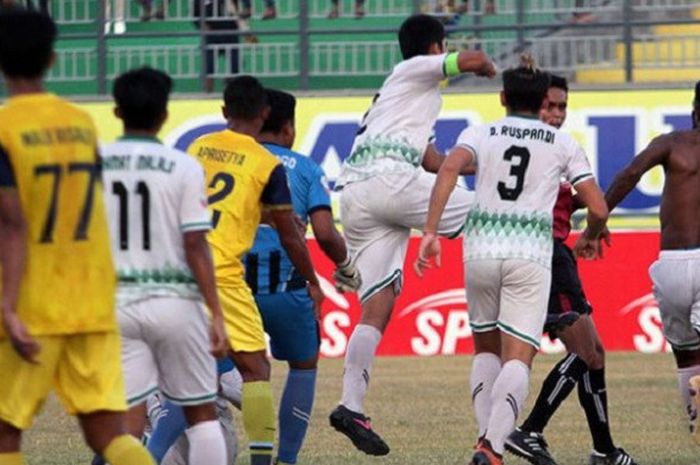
(429, 248)
(347, 278)
(488, 70)
(24, 344)
(587, 248)
(317, 296)
(218, 337)
(604, 238)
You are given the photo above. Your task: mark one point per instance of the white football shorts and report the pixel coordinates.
(676, 278)
(377, 216)
(165, 346)
(510, 295)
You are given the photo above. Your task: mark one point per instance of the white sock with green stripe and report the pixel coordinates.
(207, 445)
(507, 399)
(485, 369)
(358, 364)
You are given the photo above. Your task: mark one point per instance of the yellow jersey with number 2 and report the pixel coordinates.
(243, 178)
(48, 152)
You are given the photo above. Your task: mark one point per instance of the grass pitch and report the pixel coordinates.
(421, 406)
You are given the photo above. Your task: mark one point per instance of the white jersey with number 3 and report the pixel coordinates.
(154, 194)
(397, 127)
(520, 163)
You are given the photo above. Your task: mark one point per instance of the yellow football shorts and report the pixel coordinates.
(84, 369)
(242, 319)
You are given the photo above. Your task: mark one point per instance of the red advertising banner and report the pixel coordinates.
(431, 316)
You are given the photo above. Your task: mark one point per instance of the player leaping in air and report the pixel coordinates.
(58, 280)
(676, 274)
(384, 194)
(568, 319)
(508, 243)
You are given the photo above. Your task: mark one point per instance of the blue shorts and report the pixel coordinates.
(289, 319)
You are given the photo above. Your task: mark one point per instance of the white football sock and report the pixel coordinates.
(207, 444)
(684, 375)
(485, 369)
(231, 387)
(358, 364)
(507, 398)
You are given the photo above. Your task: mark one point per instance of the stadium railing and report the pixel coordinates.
(302, 49)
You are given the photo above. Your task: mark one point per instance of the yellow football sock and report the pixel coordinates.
(259, 420)
(126, 450)
(12, 458)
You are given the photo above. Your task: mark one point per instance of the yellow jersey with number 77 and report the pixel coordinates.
(48, 153)
(243, 178)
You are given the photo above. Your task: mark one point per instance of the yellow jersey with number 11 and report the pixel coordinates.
(48, 153)
(243, 178)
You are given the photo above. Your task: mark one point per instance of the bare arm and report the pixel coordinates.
(590, 195)
(14, 246)
(656, 153)
(455, 162)
(433, 159)
(13, 251)
(295, 246)
(294, 243)
(327, 236)
(458, 159)
(199, 259)
(477, 62)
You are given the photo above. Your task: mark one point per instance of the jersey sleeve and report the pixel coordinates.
(7, 174)
(430, 68)
(194, 215)
(470, 139)
(578, 168)
(276, 193)
(318, 197)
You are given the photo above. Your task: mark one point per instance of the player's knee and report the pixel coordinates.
(253, 366)
(101, 428)
(310, 364)
(200, 413)
(686, 358)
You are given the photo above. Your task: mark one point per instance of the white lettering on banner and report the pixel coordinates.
(457, 328)
(335, 342)
(429, 341)
(651, 339)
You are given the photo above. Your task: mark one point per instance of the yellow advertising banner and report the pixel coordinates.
(612, 126)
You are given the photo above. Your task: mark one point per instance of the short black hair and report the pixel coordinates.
(142, 97)
(696, 100)
(525, 87)
(245, 98)
(26, 42)
(559, 82)
(282, 106)
(418, 33)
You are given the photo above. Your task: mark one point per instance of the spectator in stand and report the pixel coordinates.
(217, 17)
(117, 15)
(43, 5)
(335, 9)
(451, 7)
(246, 12)
(148, 13)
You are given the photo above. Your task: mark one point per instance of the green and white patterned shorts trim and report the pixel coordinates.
(518, 335)
(396, 274)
